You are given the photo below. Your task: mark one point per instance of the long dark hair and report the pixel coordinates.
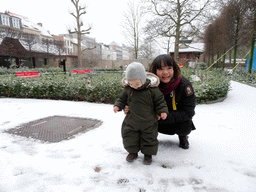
(166, 60)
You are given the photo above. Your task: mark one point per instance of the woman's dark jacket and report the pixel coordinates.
(185, 103)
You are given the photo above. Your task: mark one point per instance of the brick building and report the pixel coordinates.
(189, 51)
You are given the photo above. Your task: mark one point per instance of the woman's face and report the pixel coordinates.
(165, 73)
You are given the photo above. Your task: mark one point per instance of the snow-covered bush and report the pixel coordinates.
(241, 75)
(103, 87)
(211, 86)
(195, 78)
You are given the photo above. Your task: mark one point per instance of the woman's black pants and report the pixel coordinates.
(181, 129)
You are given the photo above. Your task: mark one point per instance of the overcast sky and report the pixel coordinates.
(104, 15)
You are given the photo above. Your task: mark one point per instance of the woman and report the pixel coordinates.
(179, 96)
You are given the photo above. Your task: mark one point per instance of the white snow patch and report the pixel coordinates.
(221, 156)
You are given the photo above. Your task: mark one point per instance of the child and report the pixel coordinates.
(147, 104)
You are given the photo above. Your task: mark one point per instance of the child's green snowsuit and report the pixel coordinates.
(140, 126)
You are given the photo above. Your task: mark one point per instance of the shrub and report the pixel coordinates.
(211, 86)
(103, 87)
(242, 76)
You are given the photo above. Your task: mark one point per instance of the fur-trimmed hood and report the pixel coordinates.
(154, 80)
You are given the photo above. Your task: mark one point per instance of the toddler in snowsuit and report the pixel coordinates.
(147, 104)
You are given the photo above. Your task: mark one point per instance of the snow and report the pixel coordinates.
(27, 23)
(195, 78)
(221, 156)
(42, 48)
(37, 47)
(192, 47)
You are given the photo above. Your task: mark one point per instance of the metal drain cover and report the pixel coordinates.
(54, 128)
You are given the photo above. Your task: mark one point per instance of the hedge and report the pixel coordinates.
(242, 76)
(102, 87)
(208, 85)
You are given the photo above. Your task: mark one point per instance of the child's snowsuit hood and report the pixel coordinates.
(154, 80)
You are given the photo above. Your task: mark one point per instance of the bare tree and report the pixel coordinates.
(172, 17)
(237, 12)
(209, 43)
(8, 34)
(133, 25)
(91, 58)
(163, 39)
(147, 49)
(59, 44)
(233, 26)
(29, 40)
(233, 22)
(6, 31)
(79, 12)
(48, 43)
(225, 39)
(219, 39)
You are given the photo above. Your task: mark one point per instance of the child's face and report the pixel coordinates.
(135, 83)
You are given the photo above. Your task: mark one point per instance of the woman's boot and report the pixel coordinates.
(184, 144)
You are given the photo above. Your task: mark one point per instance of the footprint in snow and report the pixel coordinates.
(238, 167)
(122, 181)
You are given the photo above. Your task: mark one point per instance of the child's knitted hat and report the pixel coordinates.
(136, 71)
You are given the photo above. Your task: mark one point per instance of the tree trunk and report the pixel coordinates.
(236, 41)
(235, 53)
(177, 41)
(136, 42)
(212, 58)
(223, 61)
(177, 36)
(79, 38)
(168, 46)
(209, 61)
(230, 56)
(218, 56)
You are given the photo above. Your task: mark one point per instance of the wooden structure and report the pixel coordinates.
(189, 51)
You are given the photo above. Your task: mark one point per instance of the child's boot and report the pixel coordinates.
(131, 157)
(147, 159)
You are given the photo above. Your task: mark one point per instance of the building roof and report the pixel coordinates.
(192, 47)
(42, 48)
(27, 23)
(20, 46)
(37, 47)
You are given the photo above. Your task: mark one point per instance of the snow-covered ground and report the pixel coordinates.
(221, 156)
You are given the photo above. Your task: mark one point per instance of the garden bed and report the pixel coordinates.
(102, 87)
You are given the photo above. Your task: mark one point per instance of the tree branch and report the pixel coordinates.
(88, 49)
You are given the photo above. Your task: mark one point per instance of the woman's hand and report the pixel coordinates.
(116, 109)
(163, 116)
(126, 109)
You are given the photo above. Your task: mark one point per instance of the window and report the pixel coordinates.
(16, 23)
(5, 20)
